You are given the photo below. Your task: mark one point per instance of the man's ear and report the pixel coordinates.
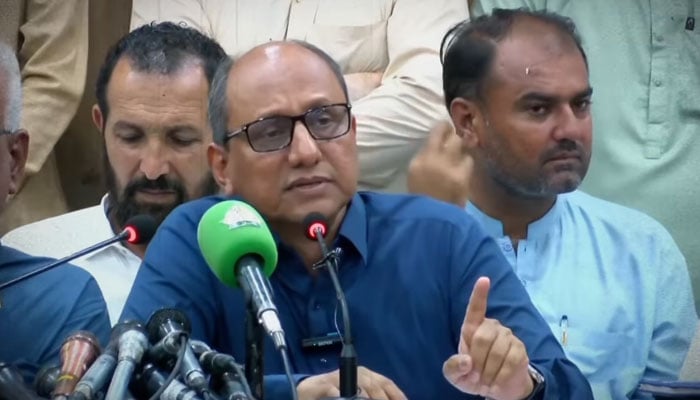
(217, 156)
(353, 128)
(97, 117)
(18, 146)
(468, 121)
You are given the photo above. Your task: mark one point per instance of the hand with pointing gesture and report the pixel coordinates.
(490, 361)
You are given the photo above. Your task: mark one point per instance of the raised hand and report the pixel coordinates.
(490, 361)
(441, 169)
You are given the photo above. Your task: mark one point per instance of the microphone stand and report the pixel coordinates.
(254, 337)
(348, 355)
(123, 235)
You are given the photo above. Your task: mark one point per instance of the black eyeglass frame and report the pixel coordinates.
(301, 117)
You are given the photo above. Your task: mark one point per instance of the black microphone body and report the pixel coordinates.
(224, 369)
(231, 388)
(152, 380)
(45, 380)
(142, 229)
(168, 327)
(228, 379)
(12, 386)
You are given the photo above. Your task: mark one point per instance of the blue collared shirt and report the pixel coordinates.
(38, 314)
(408, 267)
(611, 283)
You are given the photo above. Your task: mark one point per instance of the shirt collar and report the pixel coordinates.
(353, 229)
(106, 206)
(105, 230)
(535, 230)
(354, 226)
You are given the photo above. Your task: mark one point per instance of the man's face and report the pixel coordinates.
(156, 135)
(309, 175)
(535, 136)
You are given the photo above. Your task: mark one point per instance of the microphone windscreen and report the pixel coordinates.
(230, 230)
(141, 228)
(166, 316)
(45, 380)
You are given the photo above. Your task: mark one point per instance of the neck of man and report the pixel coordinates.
(515, 212)
(292, 235)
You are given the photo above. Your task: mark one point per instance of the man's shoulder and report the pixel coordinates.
(60, 235)
(408, 208)
(14, 263)
(616, 217)
(193, 210)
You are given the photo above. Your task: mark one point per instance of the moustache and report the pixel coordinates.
(160, 183)
(566, 147)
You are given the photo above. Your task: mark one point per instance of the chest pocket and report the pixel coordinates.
(688, 64)
(353, 32)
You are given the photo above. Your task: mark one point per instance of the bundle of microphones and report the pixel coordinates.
(157, 360)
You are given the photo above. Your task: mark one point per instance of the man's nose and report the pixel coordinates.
(154, 162)
(304, 150)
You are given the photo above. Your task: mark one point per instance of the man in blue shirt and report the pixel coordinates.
(285, 142)
(39, 313)
(609, 281)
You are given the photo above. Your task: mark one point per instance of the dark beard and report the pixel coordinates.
(124, 205)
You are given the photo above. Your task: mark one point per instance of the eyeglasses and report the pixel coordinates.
(275, 133)
(6, 132)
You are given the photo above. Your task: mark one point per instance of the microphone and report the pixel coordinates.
(228, 379)
(229, 387)
(239, 248)
(79, 350)
(167, 327)
(12, 386)
(138, 229)
(152, 380)
(100, 372)
(132, 343)
(45, 380)
(315, 228)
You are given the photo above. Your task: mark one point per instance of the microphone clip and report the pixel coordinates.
(331, 259)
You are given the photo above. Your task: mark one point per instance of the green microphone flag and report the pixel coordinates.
(230, 230)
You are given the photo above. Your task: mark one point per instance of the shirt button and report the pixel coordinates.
(657, 82)
(317, 306)
(323, 361)
(659, 37)
(507, 247)
(524, 282)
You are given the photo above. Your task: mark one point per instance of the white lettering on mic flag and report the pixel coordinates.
(238, 216)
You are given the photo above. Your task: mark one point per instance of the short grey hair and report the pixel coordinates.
(9, 71)
(218, 102)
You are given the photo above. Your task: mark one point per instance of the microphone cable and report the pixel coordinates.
(288, 372)
(175, 371)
